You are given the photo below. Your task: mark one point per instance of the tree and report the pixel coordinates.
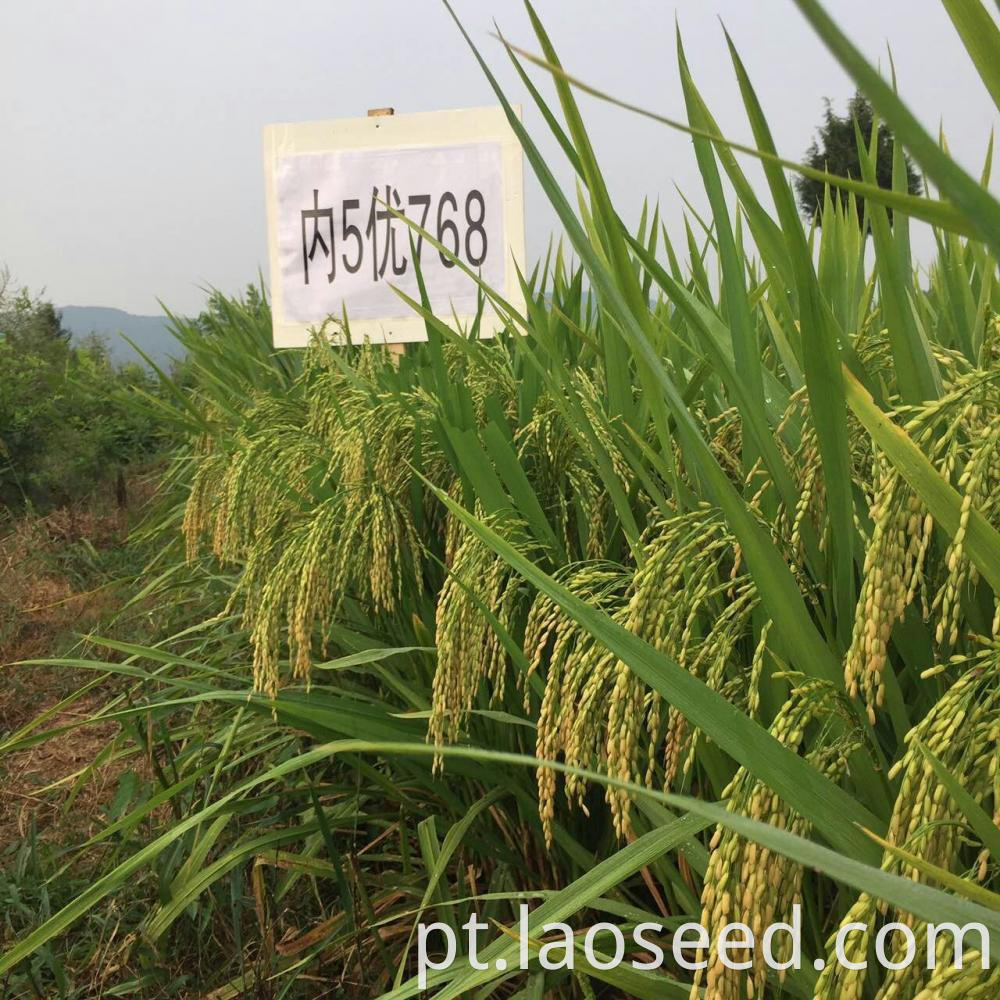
(28, 324)
(68, 416)
(836, 151)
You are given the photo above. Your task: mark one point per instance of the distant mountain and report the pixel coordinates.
(149, 333)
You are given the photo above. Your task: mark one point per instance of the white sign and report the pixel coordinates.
(335, 244)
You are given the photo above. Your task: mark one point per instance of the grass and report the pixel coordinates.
(65, 573)
(676, 601)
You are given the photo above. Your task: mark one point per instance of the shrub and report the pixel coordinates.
(68, 417)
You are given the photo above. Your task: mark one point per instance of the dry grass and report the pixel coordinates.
(44, 607)
(28, 776)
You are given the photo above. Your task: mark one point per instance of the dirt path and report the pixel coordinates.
(42, 610)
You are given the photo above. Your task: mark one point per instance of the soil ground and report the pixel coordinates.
(53, 590)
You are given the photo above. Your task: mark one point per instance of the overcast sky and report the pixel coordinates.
(130, 162)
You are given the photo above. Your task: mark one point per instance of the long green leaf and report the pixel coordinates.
(979, 819)
(981, 37)
(833, 812)
(933, 211)
(980, 210)
(982, 540)
(778, 588)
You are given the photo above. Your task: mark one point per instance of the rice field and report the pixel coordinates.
(677, 601)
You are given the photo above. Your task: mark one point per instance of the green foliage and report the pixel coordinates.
(68, 417)
(835, 150)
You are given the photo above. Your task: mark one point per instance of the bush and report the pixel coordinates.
(68, 417)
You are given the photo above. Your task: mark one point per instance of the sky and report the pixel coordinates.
(130, 159)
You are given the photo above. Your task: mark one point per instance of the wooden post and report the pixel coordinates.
(395, 351)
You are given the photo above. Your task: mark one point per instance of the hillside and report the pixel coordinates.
(150, 333)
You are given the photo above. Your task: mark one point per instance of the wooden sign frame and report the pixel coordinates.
(386, 130)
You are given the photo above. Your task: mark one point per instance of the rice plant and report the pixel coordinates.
(676, 601)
